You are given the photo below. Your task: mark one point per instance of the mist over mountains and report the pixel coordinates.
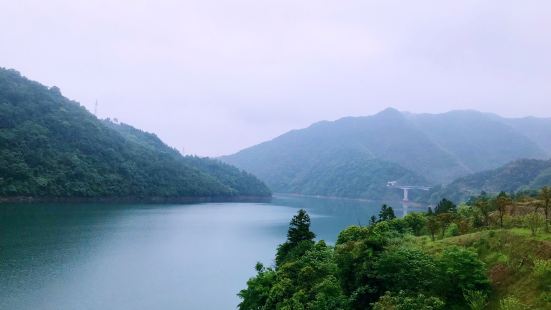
(356, 156)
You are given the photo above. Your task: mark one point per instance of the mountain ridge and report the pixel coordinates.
(436, 147)
(52, 147)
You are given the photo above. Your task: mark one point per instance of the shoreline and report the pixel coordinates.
(410, 203)
(152, 200)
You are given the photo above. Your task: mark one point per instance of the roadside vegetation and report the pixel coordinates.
(493, 252)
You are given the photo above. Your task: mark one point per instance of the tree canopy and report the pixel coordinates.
(51, 146)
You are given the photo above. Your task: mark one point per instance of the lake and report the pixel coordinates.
(194, 256)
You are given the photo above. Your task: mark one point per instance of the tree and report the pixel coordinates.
(356, 251)
(502, 201)
(444, 220)
(416, 222)
(386, 213)
(545, 196)
(404, 301)
(372, 220)
(258, 288)
(299, 228)
(483, 205)
(307, 282)
(476, 300)
(445, 206)
(432, 225)
(466, 270)
(430, 212)
(534, 221)
(299, 238)
(407, 269)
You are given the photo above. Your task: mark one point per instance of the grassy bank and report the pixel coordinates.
(516, 262)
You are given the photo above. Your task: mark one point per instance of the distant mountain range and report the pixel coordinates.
(356, 156)
(51, 147)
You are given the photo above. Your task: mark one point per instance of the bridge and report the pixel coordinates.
(406, 188)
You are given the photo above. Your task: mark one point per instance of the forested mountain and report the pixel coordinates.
(53, 147)
(365, 152)
(520, 175)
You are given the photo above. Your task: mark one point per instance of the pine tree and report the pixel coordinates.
(299, 228)
(386, 213)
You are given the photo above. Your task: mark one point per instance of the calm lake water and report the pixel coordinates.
(195, 256)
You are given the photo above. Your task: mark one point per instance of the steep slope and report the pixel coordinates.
(243, 183)
(52, 147)
(387, 136)
(432, 149)
(516, 176)
(352, 175)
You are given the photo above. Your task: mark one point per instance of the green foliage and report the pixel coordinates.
(303, 278)
(386, 213)
(545, 197)
(502, 201)
(520, 175)
(476, 300)
(312, 281)
(444, 220)
(405, 269)
(403, 301)
(432, 225)
(383, 266)
(258, 289)
(416, 222)
(542, 272)
(299, 228)
(445, 206)
(53, 147)
(467, 271)
(511, 303)
(299, 238)
(534, 221)
(356, 156)
(483, 205)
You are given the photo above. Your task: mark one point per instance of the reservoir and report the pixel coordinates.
(146, 256)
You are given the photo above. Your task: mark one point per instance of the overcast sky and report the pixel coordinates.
(215, 76)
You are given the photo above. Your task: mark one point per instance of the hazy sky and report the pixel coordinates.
(213, 77)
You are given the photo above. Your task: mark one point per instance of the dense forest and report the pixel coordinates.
(353, 175)
(492, 253)
(51, 146)
(518, 176)
(360, 154)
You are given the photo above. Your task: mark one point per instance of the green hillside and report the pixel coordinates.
(361, 153)
(521, 175)
(51, 146)
(352, 175)
(451, 258)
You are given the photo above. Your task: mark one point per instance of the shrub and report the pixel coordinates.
(403, 301)
(476, 300)
(542, 272)
(452, 230)
(511, 303)
(466, 270)
(534, 221)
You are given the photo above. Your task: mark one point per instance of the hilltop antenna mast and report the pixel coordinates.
(96, 108)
